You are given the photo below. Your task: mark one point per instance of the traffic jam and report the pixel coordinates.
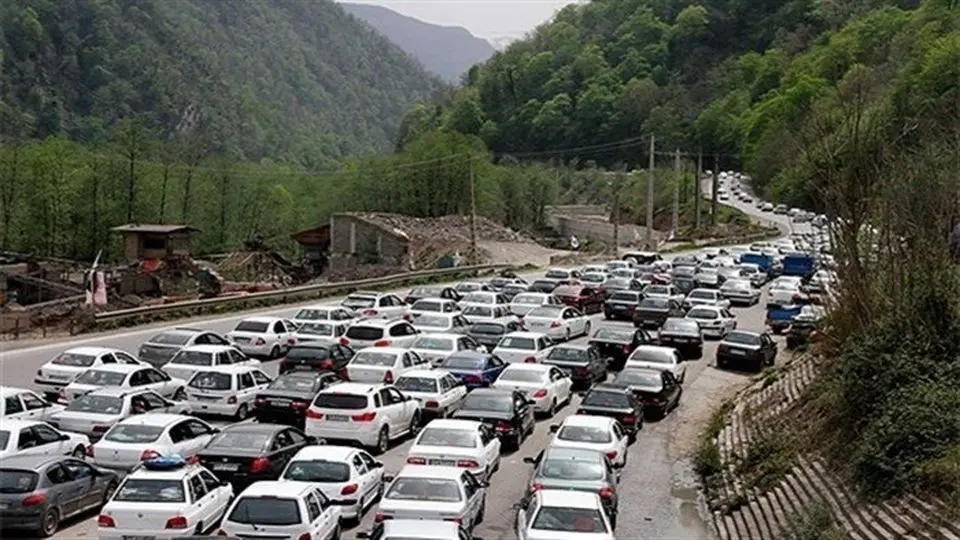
(283, 427)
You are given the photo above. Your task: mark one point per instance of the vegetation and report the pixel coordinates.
(815, 523)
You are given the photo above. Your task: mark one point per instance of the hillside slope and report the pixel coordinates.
(448, 51)
(301, 81)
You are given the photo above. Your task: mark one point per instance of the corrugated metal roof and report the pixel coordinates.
(155, 229)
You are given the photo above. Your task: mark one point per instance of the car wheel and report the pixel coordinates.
(336, 533)
(49, 523)
(79, 452)
(275, 352)
(567, 335)
(383, 440)
(586, 330)
(414, 424)
(241, 412)
(552, 411)
(108, 493)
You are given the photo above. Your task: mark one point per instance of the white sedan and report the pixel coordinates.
(547, 513)
(600, 433)
(657, 357)
(714, 321)
(30, 438)
(525, 302)
(439, 392)
(558, 322)
(146, 436)
(263, 336)
(331, 313)
(432, 305)
(343, 473)
(530, 347)
(435, 348)
(466, 444)
(545, 385)
(58, 372)
(21, 404)
(705, 297)
(785, 291)
(740, 291)
(125, 376)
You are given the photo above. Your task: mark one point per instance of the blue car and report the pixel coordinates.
(475, 369)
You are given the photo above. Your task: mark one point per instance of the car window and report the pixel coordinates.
(57, 474)
(155, 376)
(152, 400)
(195, 428)
(78, 469)
(12, 405)
(209, 480)
(313, 508)
(359, 464)
(45, 434)
(237, 356)
(282, 440)
(197, 488)
(32, 401)
(246, 380)
(278, 327)
(139, 378)
(260, 377)
(125, 358)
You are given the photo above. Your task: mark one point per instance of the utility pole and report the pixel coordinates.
(698, 190)
(616, 219)
(676, 191)
(650, 195)
(473, 215)
(715, 184)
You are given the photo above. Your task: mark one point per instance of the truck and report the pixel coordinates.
(799, 264)
(765, 262)
(779, 318)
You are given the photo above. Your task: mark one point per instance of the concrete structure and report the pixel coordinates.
(163, 242)
(360, 239)
(592, 222)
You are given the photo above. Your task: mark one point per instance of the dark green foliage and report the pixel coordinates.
(297, 81)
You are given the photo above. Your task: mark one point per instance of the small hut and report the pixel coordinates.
(155, 242)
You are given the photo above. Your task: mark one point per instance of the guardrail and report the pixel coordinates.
(288, 295)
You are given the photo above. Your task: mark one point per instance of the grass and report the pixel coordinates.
(768, 458)
(815, 523)
(707, 461)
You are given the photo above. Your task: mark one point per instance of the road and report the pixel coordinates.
(658, 495)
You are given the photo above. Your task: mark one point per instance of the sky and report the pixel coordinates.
(490, 19)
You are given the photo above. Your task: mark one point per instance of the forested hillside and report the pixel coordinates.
(448, 51)
(297, 81)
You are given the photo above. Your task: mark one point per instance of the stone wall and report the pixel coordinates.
(602, 231)
(357, 238)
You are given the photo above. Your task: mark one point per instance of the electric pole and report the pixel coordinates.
(676, 191)
(616, 219)
(650, 195)
(473, 214)
(713, 189)
(698, 190)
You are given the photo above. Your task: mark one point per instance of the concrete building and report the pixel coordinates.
(359, 239)
(162, 242)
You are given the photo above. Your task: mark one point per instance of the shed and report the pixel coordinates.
(164, 242)
(315, 245)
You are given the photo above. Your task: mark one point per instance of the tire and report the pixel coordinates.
(49, 523)
(108, 493)
(336, 533)
(586, 330)
(552, 411)
(414, 424)
(275, 352)
(199, 529)
(567, 335)
(383, 441)
(241, 413)
(480, 514)
(79, 452)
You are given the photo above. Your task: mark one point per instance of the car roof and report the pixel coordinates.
(588, 420)
(577, 346)
(743, 332)
(573, 453)
(154, 419)
(27, 462)
(359, 389)
(379, 323)
(90, 351)
(207, 348)
(116, 391)
(10, 390)
(430, 471)
(568, 498)
(424, 373)
(609, 387)
(445, 423)
(435, 299)
(262, 319)
(524, 366)
(119, 368)
(331, 452)
(655, 348)
(14, 425)
(389, 350)
(251, 427)
(421, 529)
(520, 333)
(277, 487)
(470, 354)
(708, 307)
(490, 392)
(445, 335)
(226, 368)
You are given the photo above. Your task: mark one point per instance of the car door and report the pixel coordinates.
(204, 505)
(154, 402)
(456, 392)
(680, 367)
(160, 382)
(222, 496)
(50, 441)
(495, 366)
(237, 357)
(490, 443)
(13, 408)
(473, 494)
(277, 334)
(124, 358)
(324, 524)
(260, 379)
(364, 479)
(36, 408)
(246, 387)
(730, 321)
(392, 408)
(561, 384)
(523, 411)
(620, 435)
(66, 489)
(374, 475)
(285, 444)
(671, 387)
(195, 434)
(84, 476)
(528, 509)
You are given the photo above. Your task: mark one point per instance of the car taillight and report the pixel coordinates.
(90, 451)
(530, 360)
(432, 405)
(555, 324)
(62, 394)
(105, 521)
(612, 454)
(382, 343)
(365, 417)
(326, 364)
(467, 464)
(260, 341)
(344, 374)
(305, 536)
(472, 379)
(607, 494)
(381, 517)
(407, 317)
(299, 404)
(349, 489)
(629, 420)
(312, 414)
(536, 487)
(232, 400)
(35, 499)
(388, 377)
(541, 393)
(292, 341)
(344, 341)
(260, 464)
(370, 313)
(259, 402)
(178, 522)
(149, 454)
(626, 349)
(503, 425)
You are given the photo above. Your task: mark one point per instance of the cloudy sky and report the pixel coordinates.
(489, 19)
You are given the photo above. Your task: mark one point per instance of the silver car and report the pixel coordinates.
(94, 413)
(159, 349)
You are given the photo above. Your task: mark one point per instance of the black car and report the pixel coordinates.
(621, 305)
(614, 401)
(617, 343)
(286, 399)
(583, 363)
(657, 389)
(316, 357)
(683, 335)
(488, 333)
(744, 347)
(653, 310)
(543, 285)
(420, 293)
(508, 411)
(245, 453)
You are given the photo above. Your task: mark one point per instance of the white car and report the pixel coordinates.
(263, 336)
(557, 322)
(380, 333)
(705, 297)
(415, 528)
(21, 404)
(429, 492)
(32, 438)
(529, 347)
(560, 514)
(226, 390)
(595, 279)
(753, 273)
(740, 291)
(370, 414)
(165, 495)
(383, 364)
(524, 302)
(328, 332)
(658, 357)
(124, 376)
(161, 347)
(346, 474)
(481, 313)
(785, 291)
(441, 322)
(593, 269)
(329, 313)
(714, 321)
(439, 392)
(545, 385)
(375, 305)
(616, 264)
(484, 298)
(147, 436)
(192, 359)
(670, 292)
(466, 444)
(58, 372)
(432, 306)
(600, 433)
(282, 509)
(94, 413)
(562, 274)
(435, 348)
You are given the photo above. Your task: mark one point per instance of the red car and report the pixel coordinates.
(586, 299)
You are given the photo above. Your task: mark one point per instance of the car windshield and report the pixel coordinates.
(133, 433)
(594, 278)
(587, 434)
(624, 297)
(340, 401)
(564, 468)
(654, 303)
(528, 299)
(245, 440)
(557, 274)
(545, 312)
(488, 402)
(417, 384)
(487, 328)
(358, 302)
(522, 375)
(479, 311)
(4, 439)
(95, 377)
(17, 481)
(706, 314)
(211, 380)
(468, 286)
(370, 358)
(364, 333)
(464, 362)
(150, 490)
(308, 353)
(518, 343)
(73, 359)
(424, 489)
(459, 438)
(316, 329)
(427, 305)
(193, 358)
(655, 356)
(657, 290)
(703, 295)
(636, 377)
(433, 321)
(254, 327)
(317, 470)
(91, 403)
(615, 400)
(430, 343)
(293, 383)
(312, 314)
(614, 334)
(568, 354)
(742, 338)
(478, 298)
(170, 338)
(680, 325)
(267, 510)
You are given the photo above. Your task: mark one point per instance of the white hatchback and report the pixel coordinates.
(370, 414)
(660, 358)
(594, 432)
(124, 376)
(523, 303)
(435, 348)
(529, 347)
(22, 404)
(32, 438)
(226, 390)
(346, 474)
(557, 322)
(466, 444)
(192, 359)
(714, 321)
(281, 509)
(560, 514)
(434, 493)
(439, 392)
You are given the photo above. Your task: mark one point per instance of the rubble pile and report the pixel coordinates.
(256, 267)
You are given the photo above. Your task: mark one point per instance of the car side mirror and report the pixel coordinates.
(484, 484)
(388, 478)
(554, 428)
(530, 460)
(377, 465)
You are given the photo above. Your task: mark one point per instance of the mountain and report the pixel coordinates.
(448, 51)
(300, 81)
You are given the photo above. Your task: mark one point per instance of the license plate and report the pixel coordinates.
(280, 402)
(337, 418)
(737, 352)
(442, 462)
(226, 466)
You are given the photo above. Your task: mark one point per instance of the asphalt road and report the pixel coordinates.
(658, 495)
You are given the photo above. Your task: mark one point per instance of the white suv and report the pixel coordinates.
(380, 333)
(370, 414)
(281, 509)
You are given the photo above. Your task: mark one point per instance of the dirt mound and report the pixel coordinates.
(255, 266)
